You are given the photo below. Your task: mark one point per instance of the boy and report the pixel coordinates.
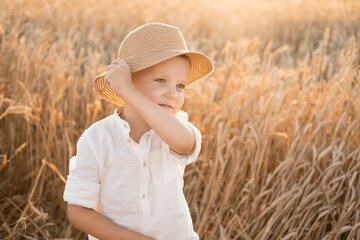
(130, 165)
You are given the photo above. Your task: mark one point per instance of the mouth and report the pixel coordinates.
(166, 106)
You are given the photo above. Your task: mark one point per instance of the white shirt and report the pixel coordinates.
(139, 186)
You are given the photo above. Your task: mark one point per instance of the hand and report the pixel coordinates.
(118, 76)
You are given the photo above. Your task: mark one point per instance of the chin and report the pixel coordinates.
(172, 111)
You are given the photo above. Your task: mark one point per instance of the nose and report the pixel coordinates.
(171, 91)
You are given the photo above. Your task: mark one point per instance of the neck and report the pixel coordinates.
(138, 126)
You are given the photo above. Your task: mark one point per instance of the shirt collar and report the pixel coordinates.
(124, 124)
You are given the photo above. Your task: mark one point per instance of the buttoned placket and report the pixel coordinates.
(142, 150)
(144, 145)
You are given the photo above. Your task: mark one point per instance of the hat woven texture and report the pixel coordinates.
(148, 45)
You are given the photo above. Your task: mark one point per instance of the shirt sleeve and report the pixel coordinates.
(82, 186)
(191, 157)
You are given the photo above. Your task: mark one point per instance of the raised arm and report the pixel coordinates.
(97, 225)
(176, 134)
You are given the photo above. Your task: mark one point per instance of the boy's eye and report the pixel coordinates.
(160, 80)
(181, 86)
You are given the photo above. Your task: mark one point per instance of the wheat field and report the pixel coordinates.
(280, 115)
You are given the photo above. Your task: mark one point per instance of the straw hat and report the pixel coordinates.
(148, 45)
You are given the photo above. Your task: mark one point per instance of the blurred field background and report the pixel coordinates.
(279, 116)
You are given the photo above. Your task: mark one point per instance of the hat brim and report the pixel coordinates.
(200, 67)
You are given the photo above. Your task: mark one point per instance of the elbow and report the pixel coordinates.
(187, 149)
(187, 146)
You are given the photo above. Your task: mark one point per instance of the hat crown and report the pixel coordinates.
(151, 37)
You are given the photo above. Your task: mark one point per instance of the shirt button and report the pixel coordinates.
(143, 196)
(144, 164)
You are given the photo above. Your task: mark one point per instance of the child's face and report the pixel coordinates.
(164, 83)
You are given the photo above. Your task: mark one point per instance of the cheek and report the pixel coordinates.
(181, 100)
(147, 90)
(140, 87)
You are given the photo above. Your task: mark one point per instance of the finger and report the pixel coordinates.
(106, 77)
(117, 61)
(120, 64)
(107, 81)
(112, 65)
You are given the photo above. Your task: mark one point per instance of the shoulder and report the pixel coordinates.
(102, 123)
(101, 135)
(102, 130)
(182, 116)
